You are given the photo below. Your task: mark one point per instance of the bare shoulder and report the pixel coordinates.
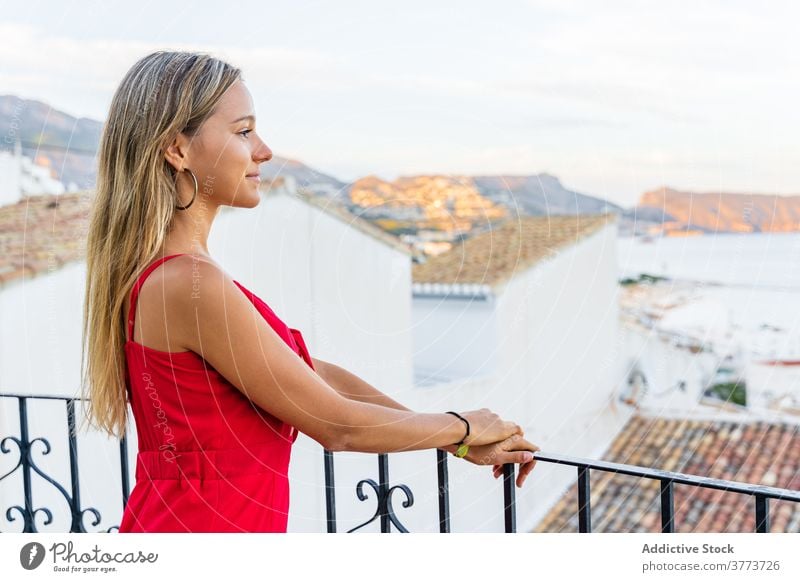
(206, 304)
(191, 284)
(186, 276)
(220, 323)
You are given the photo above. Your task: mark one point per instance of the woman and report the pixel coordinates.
(213, 376)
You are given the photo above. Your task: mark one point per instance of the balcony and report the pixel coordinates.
(26, 466)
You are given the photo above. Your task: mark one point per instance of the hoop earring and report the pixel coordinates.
(195, 191)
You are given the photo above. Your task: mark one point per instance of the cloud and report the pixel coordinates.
(63, 70)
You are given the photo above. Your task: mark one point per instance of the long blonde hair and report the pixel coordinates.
(163, 94)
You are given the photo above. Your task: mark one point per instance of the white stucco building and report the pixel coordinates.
(523, 320)
(21, 176)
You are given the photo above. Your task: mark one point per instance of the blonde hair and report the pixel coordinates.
(163, 94)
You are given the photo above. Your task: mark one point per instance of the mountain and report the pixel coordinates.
(539, 195)
(305, 176)
(680, 212)
(464, 204)
(70, 145)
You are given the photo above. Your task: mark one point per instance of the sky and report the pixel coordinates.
(614, 98)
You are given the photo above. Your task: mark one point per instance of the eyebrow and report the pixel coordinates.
(250, 117)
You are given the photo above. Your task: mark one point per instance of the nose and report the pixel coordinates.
(263, 153)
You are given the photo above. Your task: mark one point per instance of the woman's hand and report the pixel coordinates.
(486, 427)
(510, 450)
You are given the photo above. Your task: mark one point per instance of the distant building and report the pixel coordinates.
(20, 176)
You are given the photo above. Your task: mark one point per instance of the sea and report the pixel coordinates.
(746, 282)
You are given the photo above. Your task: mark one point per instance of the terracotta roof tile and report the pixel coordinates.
(493, 257)
(42, 233)
(752, 452)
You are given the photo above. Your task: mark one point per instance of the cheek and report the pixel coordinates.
(235, 157)
(227, 160)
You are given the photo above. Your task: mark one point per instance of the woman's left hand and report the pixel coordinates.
(511, 450)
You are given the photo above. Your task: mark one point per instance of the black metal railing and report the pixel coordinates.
(384, 510)
(27, 465)
(668, 479)
(761, 494)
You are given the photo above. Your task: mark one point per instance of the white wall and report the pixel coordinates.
(10, 178)
(40, 333)
(664, 365)
(40, 338)
(770, 386)
(454, 337)
(561, 360)
(557, 372)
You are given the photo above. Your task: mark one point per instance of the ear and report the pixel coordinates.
(176, 153)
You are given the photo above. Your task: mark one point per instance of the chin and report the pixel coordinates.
(251, 201)
(246, 200)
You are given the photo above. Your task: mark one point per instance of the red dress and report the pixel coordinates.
(209, 460)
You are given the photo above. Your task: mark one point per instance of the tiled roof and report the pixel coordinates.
(755, 452)
(42, 233)
(495, 256)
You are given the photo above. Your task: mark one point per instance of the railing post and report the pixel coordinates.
(25, 452)
(762, 514)
(125, 469)
(584, 508)
(444, 491)
(74, 477)
(383, 494)
(509, 498)
(330, 493)
(667, 506)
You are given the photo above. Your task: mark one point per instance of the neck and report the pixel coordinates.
(189, 230)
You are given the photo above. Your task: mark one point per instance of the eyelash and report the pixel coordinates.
(245, 132)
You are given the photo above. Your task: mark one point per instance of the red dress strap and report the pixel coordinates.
(138, 285)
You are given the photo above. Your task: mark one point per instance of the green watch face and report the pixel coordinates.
(462, 450)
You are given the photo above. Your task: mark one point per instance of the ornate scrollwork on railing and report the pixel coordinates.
(27, 465)
(384, 509)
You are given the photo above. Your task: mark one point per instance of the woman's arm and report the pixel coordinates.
(223, 326)
(354, 388)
